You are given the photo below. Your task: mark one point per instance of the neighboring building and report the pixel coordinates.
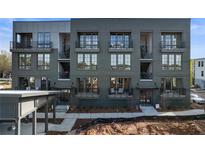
(192, 72)
(199, 72)
(113, 62)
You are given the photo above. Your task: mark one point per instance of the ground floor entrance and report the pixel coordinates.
(146, 97)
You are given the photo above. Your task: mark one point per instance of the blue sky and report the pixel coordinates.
(197, 33)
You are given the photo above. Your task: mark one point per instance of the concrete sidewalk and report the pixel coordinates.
(70, 119)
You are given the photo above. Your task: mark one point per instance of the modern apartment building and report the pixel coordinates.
(199, 70)
(40, 55)
(111, 62)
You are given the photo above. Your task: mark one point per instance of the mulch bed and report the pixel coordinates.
(56, 133)
(100, 110)
(179, 125)
(42, 120)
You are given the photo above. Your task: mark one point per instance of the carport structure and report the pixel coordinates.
(16, 104)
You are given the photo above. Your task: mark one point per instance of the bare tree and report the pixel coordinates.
(5, 64)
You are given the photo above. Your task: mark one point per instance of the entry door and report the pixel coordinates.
(146, 96)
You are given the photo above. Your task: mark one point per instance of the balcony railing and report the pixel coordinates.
(175, 92)
(121, 45)
(177, 45)
(121, 91)
(64, 75)
(145, 53)
(30, 45)
(84, 45)
(87, 92)
(145, 75)
(64, 55)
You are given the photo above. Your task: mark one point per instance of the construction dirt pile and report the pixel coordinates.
(147, 127)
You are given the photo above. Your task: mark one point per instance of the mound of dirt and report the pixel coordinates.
(148, 127)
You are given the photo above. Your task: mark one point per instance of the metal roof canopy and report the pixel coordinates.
(17, 104)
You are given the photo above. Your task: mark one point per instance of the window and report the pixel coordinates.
(164, 62)
(24, 61)
(127, 61)
(87, 61)
(120, 40)
(202, 63)
(88, 84)
(121, 61)
(44, 40)
(171, 62)
(119, 85)
(199, 63)
(114, 61)
(202, 73)
(171, 40)
(88, 40)
(178, 65)
(43, 61)
(172, 86)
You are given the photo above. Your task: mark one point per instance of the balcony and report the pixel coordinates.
(145, 53)
(64, 75)
(121, 46)
(176, 47)
(120, 93)
(146, 71)
(31, 46)
(175, 92)
(87, 93)
(85, 47)
(64, 46)
(64, 70)
(146, 45)
(145, 76)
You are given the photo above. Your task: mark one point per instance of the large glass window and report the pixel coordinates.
(87, 61)
(121, 61)
(172, 85)
(119, 85)
(88, 40)
(43, 61)
(120, 40)
(24, 61)
(88, 85)
(171, 62)
(44, 40)
(171, 40)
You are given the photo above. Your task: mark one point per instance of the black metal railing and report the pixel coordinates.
(87, 91)
(64, 75)
(121, 45)
(173, 92)
(30, 45)
(145, 53)
(145, 75)
(64, 54)
(120, 91)
(84, 45)
(179, 44)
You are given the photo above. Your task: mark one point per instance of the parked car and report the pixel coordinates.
(197, 99)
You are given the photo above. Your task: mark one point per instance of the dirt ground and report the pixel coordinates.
(156, 126)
